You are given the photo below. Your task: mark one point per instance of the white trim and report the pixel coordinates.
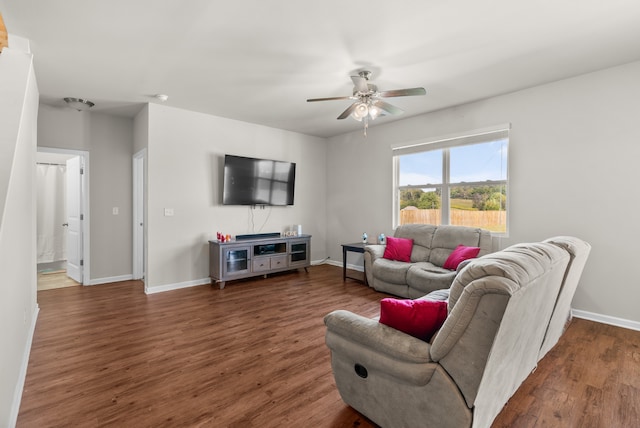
(455, 136)
(107, 280)
(606, 319)
(176, 286)
(359, 268)
(22, 376)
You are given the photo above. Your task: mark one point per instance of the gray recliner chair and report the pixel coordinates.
(500, 306)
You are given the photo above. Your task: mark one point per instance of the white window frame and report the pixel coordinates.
(445, 143)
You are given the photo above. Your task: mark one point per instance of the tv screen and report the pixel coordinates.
(250, 181)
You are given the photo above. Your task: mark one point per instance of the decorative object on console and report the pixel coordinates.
(222, 237)
(364, 238)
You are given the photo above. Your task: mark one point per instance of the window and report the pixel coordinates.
(459, 181)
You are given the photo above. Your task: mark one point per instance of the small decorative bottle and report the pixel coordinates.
(364, 238)
(381, 239)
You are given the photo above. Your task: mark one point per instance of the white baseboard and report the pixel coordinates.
(176, 286)
(107, 280)
(606, 319)
(22, 376)
(359, 268)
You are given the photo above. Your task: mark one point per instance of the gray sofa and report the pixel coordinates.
(432, 245)
(505, 311)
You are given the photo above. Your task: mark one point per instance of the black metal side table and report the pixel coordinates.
(356, 247)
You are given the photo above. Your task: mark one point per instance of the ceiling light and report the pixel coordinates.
(361, 111)
(78, 103)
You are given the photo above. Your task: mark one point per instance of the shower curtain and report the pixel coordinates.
(51, 203)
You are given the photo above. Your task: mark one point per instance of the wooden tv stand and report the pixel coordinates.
(258, 256)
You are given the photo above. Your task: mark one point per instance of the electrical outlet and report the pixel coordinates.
(115, 210)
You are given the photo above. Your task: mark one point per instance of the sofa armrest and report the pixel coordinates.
(359, 342)
(375, 251)
(379, 337)
(371, 254)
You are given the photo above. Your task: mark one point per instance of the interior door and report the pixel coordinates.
(74, 219)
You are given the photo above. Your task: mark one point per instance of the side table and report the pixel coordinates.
(356, 247)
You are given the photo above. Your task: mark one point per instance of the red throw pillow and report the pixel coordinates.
(419, 318)
(398, 249)
(460, 254)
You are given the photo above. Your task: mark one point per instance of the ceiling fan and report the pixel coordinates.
(368, 104)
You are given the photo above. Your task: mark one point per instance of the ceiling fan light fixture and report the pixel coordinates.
(374, 111)
(78, 103)
(361, 111)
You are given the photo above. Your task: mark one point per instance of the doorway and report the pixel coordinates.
(62, 217)
(139, 160)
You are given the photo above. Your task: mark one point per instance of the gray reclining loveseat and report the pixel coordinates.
(425, 273)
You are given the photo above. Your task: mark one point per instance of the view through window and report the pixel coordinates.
(460, 181)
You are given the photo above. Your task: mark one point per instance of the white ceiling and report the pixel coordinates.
(258, 61)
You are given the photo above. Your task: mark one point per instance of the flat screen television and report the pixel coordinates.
(251, 181)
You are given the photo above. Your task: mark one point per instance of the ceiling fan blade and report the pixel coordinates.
(402, 92)
(348, 111)
(310, 100)
(360, 83)
(386, 107)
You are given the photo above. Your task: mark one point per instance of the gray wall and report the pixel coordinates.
(573, 171)
(109, 141)
(185, 159)
(18, 307)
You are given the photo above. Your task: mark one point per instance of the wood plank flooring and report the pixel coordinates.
(253, 355)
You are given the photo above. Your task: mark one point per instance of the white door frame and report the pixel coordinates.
(139, 223)
(84, 189)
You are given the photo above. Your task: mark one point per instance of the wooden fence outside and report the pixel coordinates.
(495, 221)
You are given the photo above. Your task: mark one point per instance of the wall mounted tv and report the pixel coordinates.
(251, 181)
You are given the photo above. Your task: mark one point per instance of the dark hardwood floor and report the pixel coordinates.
(253, 355)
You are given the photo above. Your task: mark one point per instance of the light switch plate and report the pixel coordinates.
(168, 212)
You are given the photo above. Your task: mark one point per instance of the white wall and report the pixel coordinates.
(185, 160)
(109, 141)
(574, 151)
(18, 308)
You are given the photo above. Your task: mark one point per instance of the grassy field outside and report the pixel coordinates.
(462, 204)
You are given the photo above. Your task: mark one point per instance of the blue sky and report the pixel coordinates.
(477, 162)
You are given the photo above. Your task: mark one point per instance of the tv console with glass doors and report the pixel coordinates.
(262, 255)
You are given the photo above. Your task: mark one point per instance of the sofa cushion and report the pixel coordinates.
(447, 238)
(398, 249)
(391, 271)
(422, 235)
(460, 254)
(418, 318)
(426, 277)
